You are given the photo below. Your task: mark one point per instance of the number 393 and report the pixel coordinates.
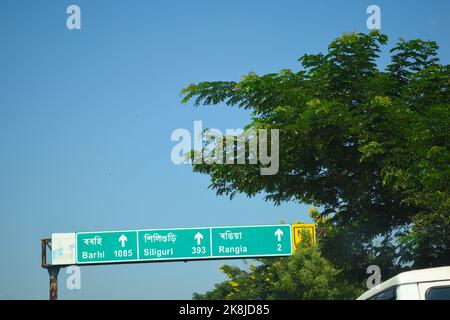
(198, 250)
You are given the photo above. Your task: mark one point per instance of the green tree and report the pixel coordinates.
(370, 147)
(304, 275)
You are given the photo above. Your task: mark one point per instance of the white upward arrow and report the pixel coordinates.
(198, 236)
(278, 234)
(122, 240)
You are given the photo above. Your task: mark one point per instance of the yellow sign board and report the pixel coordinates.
(301, 231)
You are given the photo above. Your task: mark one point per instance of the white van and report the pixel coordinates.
(425, 284)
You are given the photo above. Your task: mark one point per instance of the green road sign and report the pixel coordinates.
(251, 241)
(103, 247)
(174, 244)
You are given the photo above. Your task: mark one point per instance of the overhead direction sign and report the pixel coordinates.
(178, 244)
(103, 247)
(174, 244)
(251, 241)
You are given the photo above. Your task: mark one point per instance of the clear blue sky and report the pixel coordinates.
(86, 118)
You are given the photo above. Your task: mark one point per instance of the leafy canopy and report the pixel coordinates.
(369, 146)
(305, 275)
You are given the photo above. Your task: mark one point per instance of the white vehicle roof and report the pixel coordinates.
(415, 276)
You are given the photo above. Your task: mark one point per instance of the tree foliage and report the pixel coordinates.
(369, 146)
(304, 275)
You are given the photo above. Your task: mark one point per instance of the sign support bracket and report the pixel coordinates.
(53, 271)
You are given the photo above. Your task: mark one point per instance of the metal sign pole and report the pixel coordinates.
(53, 272)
